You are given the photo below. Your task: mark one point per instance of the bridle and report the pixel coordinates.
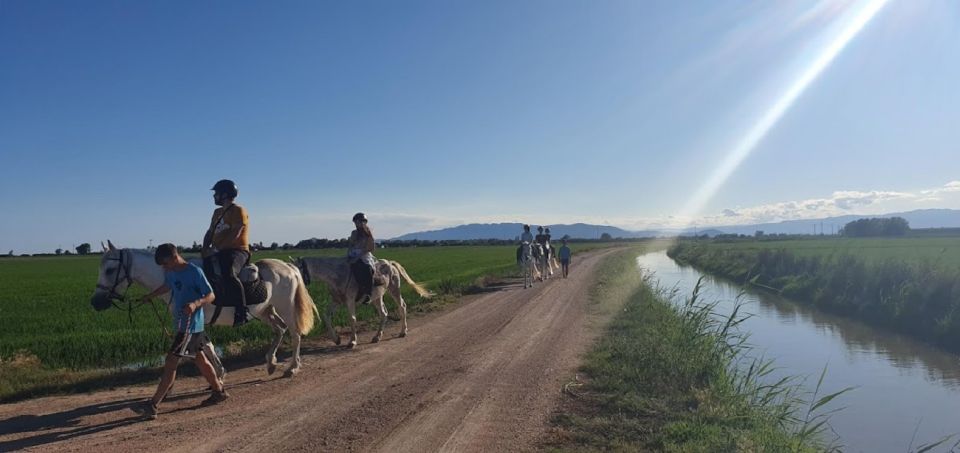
(125, 263)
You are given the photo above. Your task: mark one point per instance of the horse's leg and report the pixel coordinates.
(352, 312)
(211, 354)
(382, 310)
(295, 363)
(328, 320)
(401, 307)
(276, 323)
(394, 290)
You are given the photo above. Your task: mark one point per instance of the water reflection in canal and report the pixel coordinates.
(900, 382)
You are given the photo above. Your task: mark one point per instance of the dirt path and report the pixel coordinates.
(483, 376)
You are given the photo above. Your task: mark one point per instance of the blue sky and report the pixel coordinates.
(117, 117)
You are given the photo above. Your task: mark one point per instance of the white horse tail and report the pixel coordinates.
(305, 307)
(423, 292)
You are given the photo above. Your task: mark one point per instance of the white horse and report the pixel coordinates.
(549, 259)
(528, 264)
(335, 272)
(287, 297)
(542, 264)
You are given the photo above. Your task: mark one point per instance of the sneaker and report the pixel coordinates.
(146, 409)
(215, 398)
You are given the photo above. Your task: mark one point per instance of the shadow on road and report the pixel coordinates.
(69, 418)
(56, 427)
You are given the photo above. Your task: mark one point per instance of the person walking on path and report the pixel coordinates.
(564, 255)
(191, 292)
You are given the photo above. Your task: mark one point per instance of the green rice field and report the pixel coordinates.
(47, 325)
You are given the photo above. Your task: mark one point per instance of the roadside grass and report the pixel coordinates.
(674, 377)
(51, 340)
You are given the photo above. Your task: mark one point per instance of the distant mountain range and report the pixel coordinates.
(922, 218)
(509, 231)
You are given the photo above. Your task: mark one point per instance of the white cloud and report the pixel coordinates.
(839, 203)
(293, 227)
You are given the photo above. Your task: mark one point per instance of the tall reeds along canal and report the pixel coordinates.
(906, 392)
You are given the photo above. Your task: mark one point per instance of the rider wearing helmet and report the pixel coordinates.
(226, 247)
(541, 239)
(360, 256)
(526, 236)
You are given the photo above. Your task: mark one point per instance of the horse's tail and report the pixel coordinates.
(423, 292)
(306, 309)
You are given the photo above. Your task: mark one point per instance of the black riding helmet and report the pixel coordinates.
(360, 216)
(226, 187)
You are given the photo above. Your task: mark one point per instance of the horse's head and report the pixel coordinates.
(114, 277)
(304, 271)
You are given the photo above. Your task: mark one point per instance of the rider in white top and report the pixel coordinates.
(526, 236)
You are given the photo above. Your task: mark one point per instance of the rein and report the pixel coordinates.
(126, 263)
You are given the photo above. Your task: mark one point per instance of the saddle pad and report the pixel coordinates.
(255, 292)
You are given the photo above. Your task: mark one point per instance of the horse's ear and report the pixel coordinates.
(110, 244)
(103, 245)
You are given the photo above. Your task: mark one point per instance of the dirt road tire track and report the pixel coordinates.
(483, 376)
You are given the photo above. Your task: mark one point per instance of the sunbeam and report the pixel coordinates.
(746, 144)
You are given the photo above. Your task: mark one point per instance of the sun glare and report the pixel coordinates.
(860, 15)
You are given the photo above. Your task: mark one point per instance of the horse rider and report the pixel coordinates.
(525, 237)
(226, 248)
(541, 238)
(360, 256)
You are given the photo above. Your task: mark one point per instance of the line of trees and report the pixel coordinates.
(893, 226)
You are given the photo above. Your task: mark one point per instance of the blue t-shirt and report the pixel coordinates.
(186, 286)
(565, 253)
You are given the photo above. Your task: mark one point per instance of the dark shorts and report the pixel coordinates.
(565, 262)
(187, 344)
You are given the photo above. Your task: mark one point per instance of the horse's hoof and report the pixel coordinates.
(403, 334)
(271, 368)
(290, 372)
(352, 344)
(337, 341)
(375, 339)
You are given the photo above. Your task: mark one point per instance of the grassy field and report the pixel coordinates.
(661, 378)
(911, 285)
(49, 332)
(943, 250)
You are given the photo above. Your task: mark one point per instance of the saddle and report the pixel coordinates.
(254, 291)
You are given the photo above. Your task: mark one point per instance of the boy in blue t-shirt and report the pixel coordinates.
(190, 292)
(564, 255)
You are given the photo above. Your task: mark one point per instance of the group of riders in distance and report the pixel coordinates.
(538, 258)
(223, 281)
